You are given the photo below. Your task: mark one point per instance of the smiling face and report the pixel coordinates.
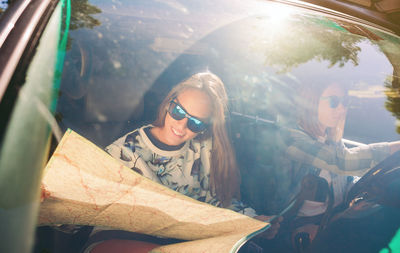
(329, 113)
(175, 132)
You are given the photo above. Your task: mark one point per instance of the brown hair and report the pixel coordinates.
(224, 174)
(307, 111)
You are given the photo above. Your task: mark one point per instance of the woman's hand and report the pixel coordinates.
(275, 225)
(336, 133)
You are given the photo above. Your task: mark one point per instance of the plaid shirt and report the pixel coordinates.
(300, 154)
(334, 157)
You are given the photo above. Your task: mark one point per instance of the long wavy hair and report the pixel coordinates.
(224, 173)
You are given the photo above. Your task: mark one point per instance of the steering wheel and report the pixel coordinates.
(381, 183)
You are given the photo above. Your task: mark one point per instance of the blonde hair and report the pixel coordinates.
(224, 173)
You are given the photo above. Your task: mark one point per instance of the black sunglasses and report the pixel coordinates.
(178, 113)
(334, 101)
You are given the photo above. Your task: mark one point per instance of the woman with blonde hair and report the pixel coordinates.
(224, 174)
(186, 149)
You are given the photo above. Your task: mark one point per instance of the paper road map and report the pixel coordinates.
(89, 187)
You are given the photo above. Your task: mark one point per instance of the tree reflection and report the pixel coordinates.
(333, 44)
(81, 15)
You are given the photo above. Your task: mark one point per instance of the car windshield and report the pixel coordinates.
(291, 74)
(124, 57)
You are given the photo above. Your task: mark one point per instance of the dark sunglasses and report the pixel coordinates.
(178, 113)
(334, 101)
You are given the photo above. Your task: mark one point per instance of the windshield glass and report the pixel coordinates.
(129, 51)
(124, 57)
(300, 84)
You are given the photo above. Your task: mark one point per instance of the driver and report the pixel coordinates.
(315, 146)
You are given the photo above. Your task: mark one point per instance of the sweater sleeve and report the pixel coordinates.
(334, 157)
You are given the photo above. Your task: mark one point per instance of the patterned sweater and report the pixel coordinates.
(185, 169)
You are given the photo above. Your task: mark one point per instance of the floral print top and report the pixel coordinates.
(185, 169)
